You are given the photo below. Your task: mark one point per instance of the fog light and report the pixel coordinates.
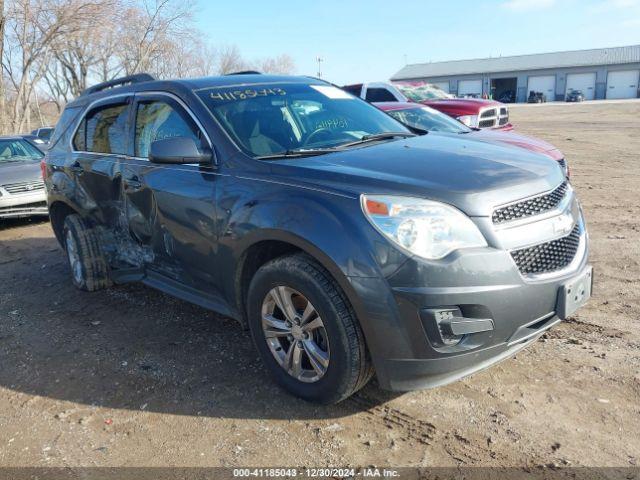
(443, 319)
(447, 327)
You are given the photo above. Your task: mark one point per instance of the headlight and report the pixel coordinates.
(422, 227)
(469, 120)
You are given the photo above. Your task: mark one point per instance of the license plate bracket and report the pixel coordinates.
(574, 293)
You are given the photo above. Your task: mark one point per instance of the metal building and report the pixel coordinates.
(599, 73)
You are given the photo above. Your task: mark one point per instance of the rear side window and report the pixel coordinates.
(68, 115)
(103, 130)
(379, 95)
(156, 120)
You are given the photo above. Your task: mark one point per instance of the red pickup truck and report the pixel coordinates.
(473, 112)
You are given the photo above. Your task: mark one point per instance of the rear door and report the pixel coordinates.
(98, 143)
(170, 208)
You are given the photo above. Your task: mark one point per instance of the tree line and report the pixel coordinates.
(51, 50)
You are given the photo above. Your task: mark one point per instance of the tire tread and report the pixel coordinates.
(94, 263)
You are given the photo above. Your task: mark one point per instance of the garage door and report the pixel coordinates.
(582, 81)
(623, 84)
(442, 86)
(470, 87)
(543, 83)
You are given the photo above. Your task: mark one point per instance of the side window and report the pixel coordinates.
(103, 130)
(156, 120)
(379, 95)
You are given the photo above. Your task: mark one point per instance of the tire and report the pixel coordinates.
(89, 267)
(299, 278)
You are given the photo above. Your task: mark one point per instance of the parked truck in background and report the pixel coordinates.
(473, 112)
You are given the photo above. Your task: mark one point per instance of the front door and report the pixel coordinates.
(170, 208)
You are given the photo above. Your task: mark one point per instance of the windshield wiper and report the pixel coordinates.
(312, 152)
(377, 136)
(297, 153)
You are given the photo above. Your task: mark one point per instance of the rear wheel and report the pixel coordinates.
(89, 268)
(306, 333)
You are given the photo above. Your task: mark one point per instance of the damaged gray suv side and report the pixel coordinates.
(348, 246)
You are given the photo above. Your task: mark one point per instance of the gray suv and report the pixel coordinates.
(347, 245)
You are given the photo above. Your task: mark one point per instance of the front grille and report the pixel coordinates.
(564, 167)
(548, 257)
(530, 207)
(503, 118)
(489, 113)
(493, 117)
(24, 187)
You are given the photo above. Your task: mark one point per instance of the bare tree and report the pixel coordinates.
(3, 121)
(83, 54)
(33, 26)
(53, 49)
(147, 28)
(230, 60)
(282, 64)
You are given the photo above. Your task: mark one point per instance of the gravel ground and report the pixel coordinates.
(132, 377)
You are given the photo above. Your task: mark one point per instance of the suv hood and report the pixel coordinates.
(16, 172)
(473, 176)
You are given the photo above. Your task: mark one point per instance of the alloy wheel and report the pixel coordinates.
(74, 257)
(295, 334)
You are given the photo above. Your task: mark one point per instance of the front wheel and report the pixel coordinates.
(306, 333)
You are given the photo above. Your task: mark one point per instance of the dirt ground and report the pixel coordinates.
(132, 377)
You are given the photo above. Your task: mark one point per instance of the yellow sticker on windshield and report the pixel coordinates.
(236, 95)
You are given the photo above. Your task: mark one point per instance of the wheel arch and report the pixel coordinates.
(276, 244)
(58, 211)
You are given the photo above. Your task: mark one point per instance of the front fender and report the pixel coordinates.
(329, 227)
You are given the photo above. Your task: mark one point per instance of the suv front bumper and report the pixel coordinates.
(483, 284)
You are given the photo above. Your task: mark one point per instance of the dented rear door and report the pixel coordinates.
(97, 145)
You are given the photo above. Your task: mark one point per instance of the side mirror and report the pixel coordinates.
(179, 150)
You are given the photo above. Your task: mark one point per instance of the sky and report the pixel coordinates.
(371, 40)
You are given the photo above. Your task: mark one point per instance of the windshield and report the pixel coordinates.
(423, 92)
(428, 120)
(270, 119)
(18, 150)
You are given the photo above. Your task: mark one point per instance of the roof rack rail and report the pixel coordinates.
(119, 82)
(244, 72)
